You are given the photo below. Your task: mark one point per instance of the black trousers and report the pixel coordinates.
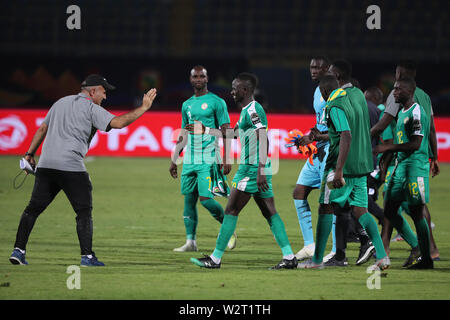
(78, 189)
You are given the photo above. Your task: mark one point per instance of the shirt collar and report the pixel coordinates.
(84, 95)
(248, 104)
(347, 85)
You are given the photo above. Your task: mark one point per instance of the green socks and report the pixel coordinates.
(423, 233)
(229, 226)
(369, 224)
(403, 227)
(214, 208)
(190, 213)
(324, 225)
(225, 233)
(279, 232)
(190, 216)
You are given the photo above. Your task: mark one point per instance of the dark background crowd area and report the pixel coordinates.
(140, 44)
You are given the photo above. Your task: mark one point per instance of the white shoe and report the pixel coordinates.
(309, 264)
(328, 256)
(232, 243)
(306, 252)
(381, 264)
(187, 247)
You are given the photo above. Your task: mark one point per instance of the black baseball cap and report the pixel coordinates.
(97, 80)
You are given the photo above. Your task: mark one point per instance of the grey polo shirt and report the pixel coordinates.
(72, 122)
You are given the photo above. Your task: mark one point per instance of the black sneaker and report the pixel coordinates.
(286, 264)
(413, 256)
(365, 253)
(421, 263)
(333, 262)
(205, 262)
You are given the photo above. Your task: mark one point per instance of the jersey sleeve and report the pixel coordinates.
(417, 128)
(100, 117)
(257, 116)
(339, 119)
(391, 106)
(184, 117)
(222, 113)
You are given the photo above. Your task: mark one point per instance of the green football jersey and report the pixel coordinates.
(388, 134)
(424, 101)
(253, 117)
(411, 122)
(351, 100)
(210, 110)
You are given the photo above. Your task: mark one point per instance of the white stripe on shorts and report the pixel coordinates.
(326, 199)
(242, 184)
(421, 188)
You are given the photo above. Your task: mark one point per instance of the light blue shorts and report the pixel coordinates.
(311, 174)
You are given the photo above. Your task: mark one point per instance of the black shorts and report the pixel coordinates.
(76, 185)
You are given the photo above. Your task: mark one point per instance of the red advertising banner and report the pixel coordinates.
(154, 134)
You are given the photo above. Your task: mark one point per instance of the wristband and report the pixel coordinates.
(29, 154)
(207, 130)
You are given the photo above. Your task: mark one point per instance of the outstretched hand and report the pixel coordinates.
(147, 99)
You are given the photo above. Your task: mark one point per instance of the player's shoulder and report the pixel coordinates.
(355, 91)
(187, 102)
(253, 107)
(420, 92)
(189, 99)
(337, 94)
(214, 97)
(418, 109)
(317, 91)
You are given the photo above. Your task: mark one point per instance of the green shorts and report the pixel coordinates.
(389, 172)
(354, 191)
(245, 180)
(207, 179)
(404, 187)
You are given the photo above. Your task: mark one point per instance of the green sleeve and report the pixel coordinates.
(339, 119)
(222, 113)
(184, 117)
(388, 133)
(419, 119)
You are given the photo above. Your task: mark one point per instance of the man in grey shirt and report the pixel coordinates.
(68, 129)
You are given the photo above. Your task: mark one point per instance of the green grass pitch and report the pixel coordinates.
(138, 221)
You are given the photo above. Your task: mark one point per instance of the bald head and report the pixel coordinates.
(328, 83)
(199, 68)
(199, 79)
(374, 94)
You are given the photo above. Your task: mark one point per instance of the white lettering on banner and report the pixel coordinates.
(167, 135)
(18, 132)
(142, 137)
(113, 138)
(443, 140)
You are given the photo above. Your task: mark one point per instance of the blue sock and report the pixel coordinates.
(304, 219)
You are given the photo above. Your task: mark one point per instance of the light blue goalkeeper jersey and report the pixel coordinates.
(319, 108)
